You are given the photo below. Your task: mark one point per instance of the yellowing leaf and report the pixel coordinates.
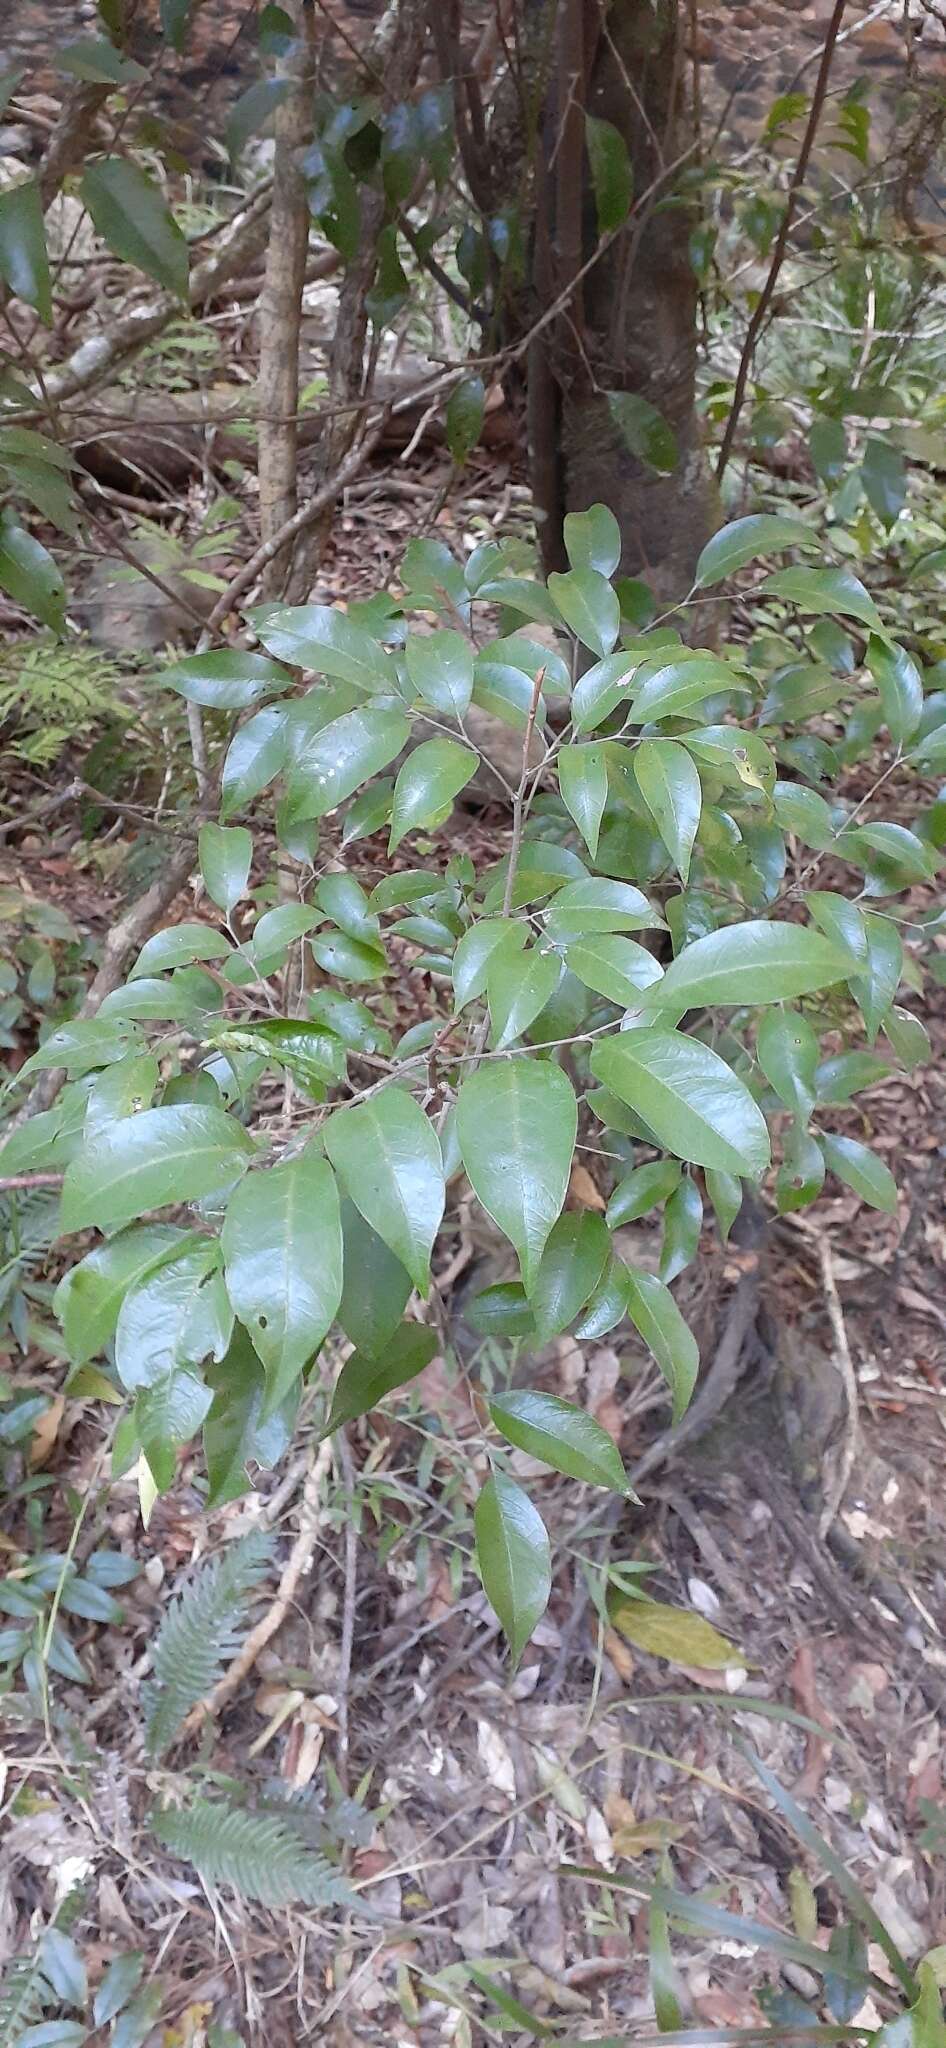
(672, 1632)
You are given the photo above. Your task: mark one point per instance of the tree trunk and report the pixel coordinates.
(629, 324)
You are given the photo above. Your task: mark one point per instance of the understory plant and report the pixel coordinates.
(688, 956)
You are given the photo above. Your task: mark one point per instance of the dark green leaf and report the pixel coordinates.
(563, 1436)
(598, 905)
(133, 217)
(512, 1546)
(754, 962)
(683, 1221)
(27, 572)
(644, 431)
(825, 590)
(614, 966)
(827, 441)
(901, 687)
(593, 539)
(860, 1169)
(282, 1251)
(364, 1381)
(692, 1101)
(386, 1153)
(466, 408)
(517, 1121)
(145, 1162)
(884, 477)
(676, 685)
(440, 666)
(427, 783)
(670, 786)
(325, 640)
(744, 540)
(225, 853)
(657, 1319)
(256, 755)
(611, 174)
(588, 606)
(518, 986)
(251, 112)
(788, 1053)
(228, 679)
(376, 1285)
(570, 1269)
(641, 1190)
(477, 948)
(118, 1984)
(583, 787)
(24, 264)
(337, 760)
(89, 1297)
(236, 1434)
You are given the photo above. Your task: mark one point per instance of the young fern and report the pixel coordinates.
(200, 1631)
(259, 1854)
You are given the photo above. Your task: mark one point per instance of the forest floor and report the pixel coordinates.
(475, 1793)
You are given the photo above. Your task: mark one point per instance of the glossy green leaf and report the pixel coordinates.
(676, 685)
(364, 1381)
(177, 946)
(901, 687)
(748, 963)
(860, 1169)
(386, 1153)
(692, 1101)
(376, 1285)
(895, 844)
(670, 786)
(225, 853)
(744, 540)
(517, 1121)
(226, 679)
(614, 966)
(843, 1074)
(146, 1162)
(153, 1332)
(82, 1044)
(321, 638)
(63, 1966)
(607, 1306)
(255, 756)
(89, 1296)
(588, 606)
(563, 1436)
(427, 783)
(97, 62)
(583, 787)
(841, 921)
(825, 590)
(725, 1193)
(314, 1057)
(884, 477)
(282, 1252)
(350, 959)
(167, 1415)
(132, 215)
(593, 539)
(571, 1267)
(28, 573)
(657, 1319)
(477, 948)
(683, 1221)
(800, 1177)
(518, 986)
(119, 1982)
(344, 754)
(598, 905)
(908, 1036)
(466, 409)
(644, 431)
(121, 1090)
(440, 666)
(602, 688)
(788, 1053)
(641, 1190)
(512, 1547)
(237, 1433)
(24, 264)
(874, 989)
(612, 178)
(278, 929)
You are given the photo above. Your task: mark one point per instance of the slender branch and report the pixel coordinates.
(781, 241)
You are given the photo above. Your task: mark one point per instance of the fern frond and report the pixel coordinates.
(24, 1996)
(200, 1631)
(259, 1854)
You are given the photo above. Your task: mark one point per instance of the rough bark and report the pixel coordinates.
(280, 313)
(630, 321)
